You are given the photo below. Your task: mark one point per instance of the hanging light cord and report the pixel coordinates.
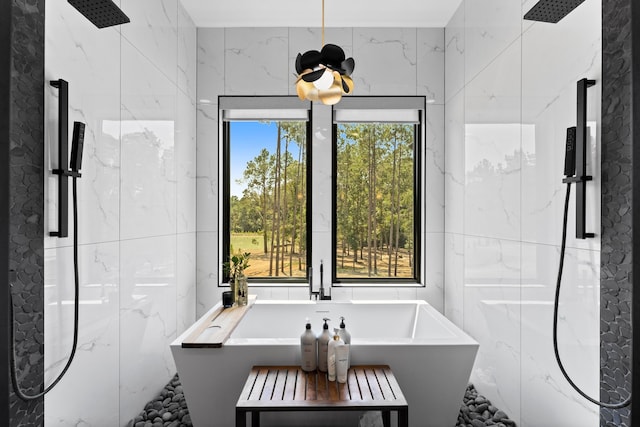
(14, 375)
(619, 405)
(322, 23)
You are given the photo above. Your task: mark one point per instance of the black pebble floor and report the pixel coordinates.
(169, 409)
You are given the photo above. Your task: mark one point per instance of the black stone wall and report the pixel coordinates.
(26, 242)
(617, 212)
(5, 84)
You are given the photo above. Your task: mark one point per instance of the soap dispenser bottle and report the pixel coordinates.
(344, 334)
(323, 346)
(308, 349)
(346, 337)
(331, 355)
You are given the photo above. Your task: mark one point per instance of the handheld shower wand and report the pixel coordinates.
(569, 172)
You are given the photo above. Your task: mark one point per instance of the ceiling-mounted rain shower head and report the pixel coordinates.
(551, 11)
(101, 13)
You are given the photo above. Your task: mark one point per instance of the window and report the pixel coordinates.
(367, 193)
(376, 192)
(265, 180)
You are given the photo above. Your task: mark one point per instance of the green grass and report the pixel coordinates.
(246, 242)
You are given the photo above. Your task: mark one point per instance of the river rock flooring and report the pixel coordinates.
(169, 409)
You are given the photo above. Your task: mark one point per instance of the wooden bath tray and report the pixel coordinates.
(224, 320)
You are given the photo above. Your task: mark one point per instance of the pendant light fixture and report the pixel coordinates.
(325, 75)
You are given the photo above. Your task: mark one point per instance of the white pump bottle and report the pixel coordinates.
(308, 349)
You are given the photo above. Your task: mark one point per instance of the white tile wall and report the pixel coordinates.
(94, 370)
(386, 61)
(153, 30)
(492, 149)
(430, 57)
(147, 319)
(454, 34)
(256, 61)
(505, 133)
(148, 174)
(134, 87)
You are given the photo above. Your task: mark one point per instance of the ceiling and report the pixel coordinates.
(308, 13)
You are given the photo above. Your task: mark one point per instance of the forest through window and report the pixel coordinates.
(267, 180)
(375, 201)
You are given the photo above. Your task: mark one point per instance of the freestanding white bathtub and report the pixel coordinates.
(430, 357)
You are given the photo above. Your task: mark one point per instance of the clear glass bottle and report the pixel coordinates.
(241, 290)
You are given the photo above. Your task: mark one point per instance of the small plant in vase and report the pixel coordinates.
(237, 280)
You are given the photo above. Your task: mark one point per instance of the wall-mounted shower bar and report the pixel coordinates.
(63, 158)
(580, 179)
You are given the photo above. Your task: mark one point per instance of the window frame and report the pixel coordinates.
(262, 103)
(419, 206)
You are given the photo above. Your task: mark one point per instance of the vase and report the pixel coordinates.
(241, 291)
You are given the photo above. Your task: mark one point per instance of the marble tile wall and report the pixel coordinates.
(510, 95)
(134, 87)
(260, 61)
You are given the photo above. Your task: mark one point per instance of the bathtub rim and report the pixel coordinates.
(460, 337)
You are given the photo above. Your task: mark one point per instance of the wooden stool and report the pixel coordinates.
(289, 388)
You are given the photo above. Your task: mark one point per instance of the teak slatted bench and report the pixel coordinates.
(289, 388)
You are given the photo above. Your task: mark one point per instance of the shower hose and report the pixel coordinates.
(14, 375)
(619, 405)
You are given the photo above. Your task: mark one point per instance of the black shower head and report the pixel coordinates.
(551, 10)
(101, 13)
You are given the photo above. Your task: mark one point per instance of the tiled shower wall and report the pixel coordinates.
(510, 95)
(260, 61)
(617, 213)
(134, 87)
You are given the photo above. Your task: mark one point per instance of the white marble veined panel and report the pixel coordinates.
(185, 281)
(493, 149)
(431, 59)
(211, 68)
(454, 278)
(547, 398)
(187, 53)
(207, 167)
(148, 179)
(321, 175)
(386, 61)
(454, 55)
(185, 152)
(454, 159)
(208, 290)
(492, 313)
(555, 56)
(77, 53)
(147, 320)
(302, 40)
(153, 31)
(94, 370)
(256, 61)
(490, 26)
(434, 164)
(434, 255)
(549, 98)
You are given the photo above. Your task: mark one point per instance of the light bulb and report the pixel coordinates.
(325, 81)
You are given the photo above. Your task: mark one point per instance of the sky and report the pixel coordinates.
(247, 140)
